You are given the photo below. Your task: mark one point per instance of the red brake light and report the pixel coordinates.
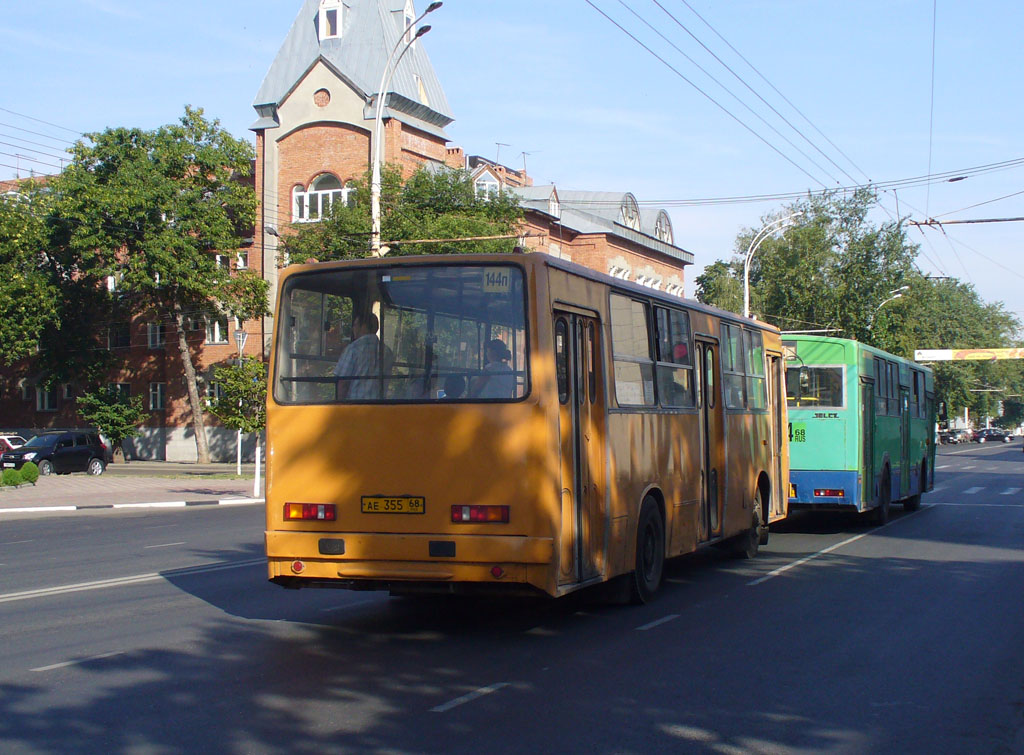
(325, 512)
(829, 493)
(493, 514)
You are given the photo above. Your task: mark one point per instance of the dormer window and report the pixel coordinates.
(629, 214)
(554, 208)
(330, 19)
(410, 17)
(663, 228)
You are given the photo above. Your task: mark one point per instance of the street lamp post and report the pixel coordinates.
(768, 230)
(895, 294)
(240, 338)
(385, 80)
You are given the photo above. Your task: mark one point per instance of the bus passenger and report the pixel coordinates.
(498, 380)
(454, 386)
(359, 362)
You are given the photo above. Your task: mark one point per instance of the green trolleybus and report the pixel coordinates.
(861, 426)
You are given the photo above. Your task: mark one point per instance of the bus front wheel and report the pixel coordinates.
(745, 544)
(650, 553)
(913, 503)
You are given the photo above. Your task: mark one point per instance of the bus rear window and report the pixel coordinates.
(402, 334)
(814, 386)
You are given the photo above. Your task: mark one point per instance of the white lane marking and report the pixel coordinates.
(978, 505)
(1010, 491)
(936, 487)
(121, 581)
(162, 545)
(659, 622)
(346, 606)
(78, 661)
(973, 491)
(17, 542)
(943, 466)
(969, 466)
(799, 562)
(468, 698)
(42, 509)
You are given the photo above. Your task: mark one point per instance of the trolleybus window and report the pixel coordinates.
(634, 369)
(814, 386)
(675, 364)
(732, 366)
(438, 333)
(757, 397)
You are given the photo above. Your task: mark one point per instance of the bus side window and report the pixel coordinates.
(562, 359)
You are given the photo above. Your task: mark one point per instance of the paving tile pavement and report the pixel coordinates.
(84, 491)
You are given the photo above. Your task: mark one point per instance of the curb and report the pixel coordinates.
(152, 505)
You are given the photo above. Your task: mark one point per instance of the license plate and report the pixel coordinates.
(8, 463)
(401, 504)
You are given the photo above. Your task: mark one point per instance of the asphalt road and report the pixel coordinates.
(156, 632)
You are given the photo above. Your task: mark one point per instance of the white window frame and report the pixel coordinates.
(213, 393)
(328, 7)
(157, 397)
(486, 186)
(324, 200)
(216, 329)
(46, 399)
(156, 335)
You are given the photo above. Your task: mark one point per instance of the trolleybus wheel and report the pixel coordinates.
(745, 544)
(881, 513)
(913, 503)
(650, 553)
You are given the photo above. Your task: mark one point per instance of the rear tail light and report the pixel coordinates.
(494, 514)
(829, 493)
(324, 512)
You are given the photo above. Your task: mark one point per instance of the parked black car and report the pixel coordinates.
(992, 435)
(60, 452)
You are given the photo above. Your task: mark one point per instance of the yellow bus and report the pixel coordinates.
(511, 423)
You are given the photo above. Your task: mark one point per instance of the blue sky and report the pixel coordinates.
(586, 107)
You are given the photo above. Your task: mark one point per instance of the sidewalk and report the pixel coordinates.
(140, 484)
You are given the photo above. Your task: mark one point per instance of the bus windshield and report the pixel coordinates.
(814, 387)
(402, 334)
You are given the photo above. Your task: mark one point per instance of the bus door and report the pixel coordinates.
(581, 433)
(777, 403)
(904, 442)
(712, 438)
(867, 435)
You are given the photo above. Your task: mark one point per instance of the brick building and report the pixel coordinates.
(316, 111)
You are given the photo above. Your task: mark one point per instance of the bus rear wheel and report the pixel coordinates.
(650, 553)
(881, 512)
(913, 503)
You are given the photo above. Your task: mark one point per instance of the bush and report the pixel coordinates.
(12, 477)
(30, 472)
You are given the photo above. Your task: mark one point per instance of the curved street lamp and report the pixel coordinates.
(895, 294)
(768, 230)
(385, 80)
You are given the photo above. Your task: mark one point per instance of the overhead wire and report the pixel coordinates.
(711, 99)
(726, 89)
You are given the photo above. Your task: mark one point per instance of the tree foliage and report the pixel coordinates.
(435, 203)
(28, 294)
(116, 416)
(242, 404)
(153, 209)
(834, 270)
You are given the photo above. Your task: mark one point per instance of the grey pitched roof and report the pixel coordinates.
(598, 212)
(370, 31)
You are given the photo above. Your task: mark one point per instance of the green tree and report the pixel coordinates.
(155, 210)
(28, 296)
(834, 269)
(435, 203)
(242, 404)
(116, 416)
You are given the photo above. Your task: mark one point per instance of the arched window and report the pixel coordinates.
(629, 212)
(330, 19)
(410, 16)
(663, 228)
(308, 206)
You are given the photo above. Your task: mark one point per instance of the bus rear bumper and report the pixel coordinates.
(392, 561)
(825, 489)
